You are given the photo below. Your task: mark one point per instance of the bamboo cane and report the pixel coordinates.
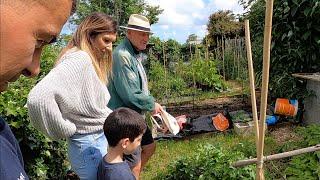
(234, 58)
(222, 46)
(265, 81)
(165, 72)
(278, 156)
(251, 78)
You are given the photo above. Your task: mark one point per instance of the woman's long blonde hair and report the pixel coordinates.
(83, 39)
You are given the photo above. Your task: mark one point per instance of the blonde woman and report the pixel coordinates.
(71, 101)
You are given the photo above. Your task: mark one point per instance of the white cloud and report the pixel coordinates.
(181, 18)
(164, 27)
(225, 4)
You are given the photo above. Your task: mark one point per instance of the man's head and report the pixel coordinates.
(26, 26)
(138, 31)
(124, 127)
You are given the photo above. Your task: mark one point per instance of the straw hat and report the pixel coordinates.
(138, 23)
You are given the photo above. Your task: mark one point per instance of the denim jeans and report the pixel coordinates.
(85, 152)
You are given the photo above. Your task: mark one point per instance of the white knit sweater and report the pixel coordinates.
(70, 99)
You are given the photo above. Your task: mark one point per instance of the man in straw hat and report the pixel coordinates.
(129, 84)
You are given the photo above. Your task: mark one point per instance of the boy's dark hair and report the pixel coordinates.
(123, 123)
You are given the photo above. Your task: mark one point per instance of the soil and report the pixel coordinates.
(281, 132)
(284, 132)
(209, 106)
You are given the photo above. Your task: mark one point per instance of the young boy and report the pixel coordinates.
(123, 129)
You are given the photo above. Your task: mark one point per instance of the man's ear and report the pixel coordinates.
(125, 142)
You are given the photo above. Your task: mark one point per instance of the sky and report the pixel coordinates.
(181, 18)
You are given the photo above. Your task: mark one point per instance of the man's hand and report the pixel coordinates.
(157, 108)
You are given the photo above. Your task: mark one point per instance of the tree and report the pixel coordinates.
(192, 39)
(173, 50)
(223, 24)
(294, 47)
(152, 13)
(119, 9)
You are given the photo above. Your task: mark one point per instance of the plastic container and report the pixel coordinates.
(286, 107)
(271, 120)
(220, 122)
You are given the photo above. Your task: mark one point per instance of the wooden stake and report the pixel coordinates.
(238, 54)
(265, 81)
(234, 58)
(278, 156)
(165, 72)
(222, 46)
(252, 86)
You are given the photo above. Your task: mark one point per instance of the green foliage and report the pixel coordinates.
(162, 84)
(120, 10)
(179, 80)
(223, 24)
(205, 74)
(209, 162)
(310, 135)
(306, 166)
(192, 38)
(44, 159)
(295, 43)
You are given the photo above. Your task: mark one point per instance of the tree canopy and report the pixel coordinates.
(119, 9)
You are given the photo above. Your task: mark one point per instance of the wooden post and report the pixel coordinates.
(278, 156)
(265, 81)
(252, 82)
(190, 51)
(165, 72)
(234, 58)
(207, 49)
(222, 47)
(238, 55)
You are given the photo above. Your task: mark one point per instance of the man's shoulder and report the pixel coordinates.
(11, 163)
(122, 56)
(122, 50)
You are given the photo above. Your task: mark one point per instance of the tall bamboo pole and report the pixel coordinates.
(165, 71)
(207, 49)
(222, 47)
(252, 82)
(265, 81)
(234, 58)
(238, 55)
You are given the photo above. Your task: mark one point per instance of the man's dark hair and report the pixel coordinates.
(123, 123)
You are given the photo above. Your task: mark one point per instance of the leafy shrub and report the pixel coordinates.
(306, 166)
(310, 135)
(204, 73)
(209, 162)
(160, 84)
(294, 47)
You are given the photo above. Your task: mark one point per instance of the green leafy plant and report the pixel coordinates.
(209, 162)
(294, 47)
(306, 166)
